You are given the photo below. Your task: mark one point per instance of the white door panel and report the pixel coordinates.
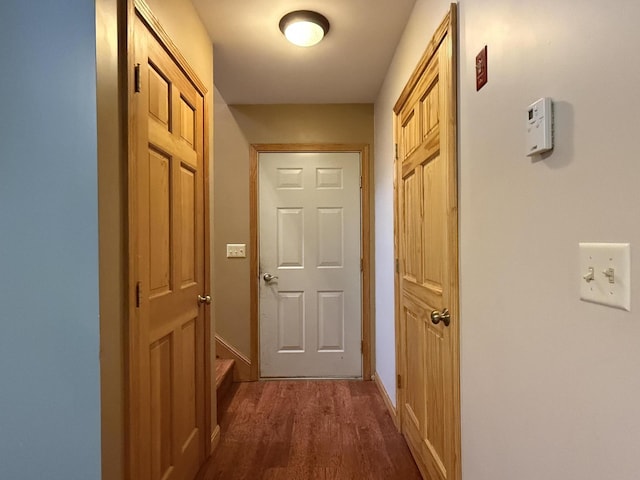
(310, 315)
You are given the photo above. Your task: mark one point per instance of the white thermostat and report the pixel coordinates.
(539, 126)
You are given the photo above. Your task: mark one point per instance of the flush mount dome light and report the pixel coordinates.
(304, 27)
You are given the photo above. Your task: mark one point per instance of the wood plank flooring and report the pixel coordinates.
(309, 430)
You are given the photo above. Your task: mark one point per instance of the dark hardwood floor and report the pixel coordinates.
(309, 430)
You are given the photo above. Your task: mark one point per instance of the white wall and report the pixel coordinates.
(49, 343)
(550, 384)
(415, 38)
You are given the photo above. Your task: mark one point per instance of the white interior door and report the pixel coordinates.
(310, 312)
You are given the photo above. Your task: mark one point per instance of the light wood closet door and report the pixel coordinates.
(426, 236)
(170, 353)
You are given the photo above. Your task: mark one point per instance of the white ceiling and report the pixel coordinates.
(254, 64)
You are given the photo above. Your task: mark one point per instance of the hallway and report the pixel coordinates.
(309, 430)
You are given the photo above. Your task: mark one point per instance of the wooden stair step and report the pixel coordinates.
(224, 368)
(224, 381)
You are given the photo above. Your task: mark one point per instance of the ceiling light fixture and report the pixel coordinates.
(304, 27)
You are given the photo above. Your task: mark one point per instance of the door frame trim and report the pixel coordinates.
(139, 9)
(365, 233)
(448, 26)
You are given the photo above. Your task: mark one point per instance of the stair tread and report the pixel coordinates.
(224, 367)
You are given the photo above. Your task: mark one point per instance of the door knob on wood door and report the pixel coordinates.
(444, 317)
(268, 277)
(204, 299)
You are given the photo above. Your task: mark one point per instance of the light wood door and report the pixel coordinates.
(427, 280)
(310, 314)
(168, 347)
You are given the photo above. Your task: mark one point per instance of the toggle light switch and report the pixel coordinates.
(610, 273)
(605, 270)
(589, 276)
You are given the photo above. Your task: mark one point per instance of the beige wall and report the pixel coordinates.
(183, 25)
(112, 241)
(425, 18)
(550, 385)
(181, 21)
(237, 127)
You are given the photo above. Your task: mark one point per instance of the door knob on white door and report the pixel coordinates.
(268, 277)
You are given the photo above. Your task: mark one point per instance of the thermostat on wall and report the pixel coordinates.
(539, 126)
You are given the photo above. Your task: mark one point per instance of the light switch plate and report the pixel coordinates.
(605, 274)
(236, 250)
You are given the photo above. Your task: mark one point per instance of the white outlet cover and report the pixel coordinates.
(236, 250)
(600, 257)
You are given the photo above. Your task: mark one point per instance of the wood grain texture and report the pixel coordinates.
(214, 441)
(254, 322)
(366, 264)
(431, 49)
(304, 430)
(242, 370)
(168, 431)
(387, 401)
(426, 242)
(210, 412)
(145, 13)
(224, 370)
(224, 380)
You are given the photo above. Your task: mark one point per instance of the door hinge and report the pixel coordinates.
(397, 266)
(138, 295)
(361, 265)
(396, 151)
(361, 346)
(360, 181)
(137, 82)
(399, 381)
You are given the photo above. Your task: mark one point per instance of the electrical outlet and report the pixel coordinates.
(236, 250)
